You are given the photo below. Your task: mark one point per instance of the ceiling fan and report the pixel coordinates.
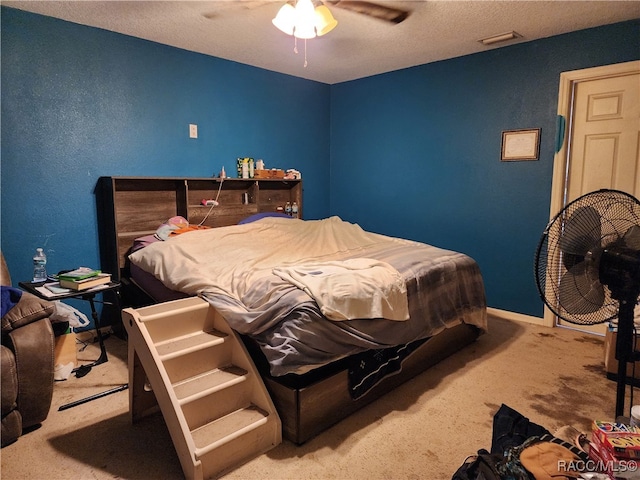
(308, 18)
(371, 9)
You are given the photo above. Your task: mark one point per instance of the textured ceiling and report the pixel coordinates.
(360, 46)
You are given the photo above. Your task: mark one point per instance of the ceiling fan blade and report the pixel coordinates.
(389, 14)
(580, 291)
(228, 5)
(581, 232)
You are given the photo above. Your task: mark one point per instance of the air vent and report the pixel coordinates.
(503, 37)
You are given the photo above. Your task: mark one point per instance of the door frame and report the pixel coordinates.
(568, 83)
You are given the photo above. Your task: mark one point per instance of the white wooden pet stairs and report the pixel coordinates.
(184, 358)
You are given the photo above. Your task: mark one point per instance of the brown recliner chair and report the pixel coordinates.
(26, 361)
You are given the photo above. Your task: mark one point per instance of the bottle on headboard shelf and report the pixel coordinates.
(294, 210)
(287, 208)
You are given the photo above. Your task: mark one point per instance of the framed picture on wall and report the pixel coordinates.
(520, 145)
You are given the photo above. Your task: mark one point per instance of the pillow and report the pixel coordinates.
(258, 216)
(174, 223)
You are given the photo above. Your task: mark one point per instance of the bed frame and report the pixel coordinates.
(131, 207)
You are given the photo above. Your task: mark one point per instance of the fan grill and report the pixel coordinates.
(568, 255)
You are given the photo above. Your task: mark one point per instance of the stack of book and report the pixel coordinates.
(615, 449)
(83, 278)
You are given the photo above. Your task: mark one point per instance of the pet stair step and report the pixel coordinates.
(209, 382)
(228, 428)
(216, 407)
(192, 342)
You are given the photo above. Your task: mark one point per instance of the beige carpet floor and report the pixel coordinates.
(422, 430)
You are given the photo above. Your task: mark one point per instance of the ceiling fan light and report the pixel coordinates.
(304, 8)
(285, 19)
(324, 20)
(304, 31)
(304, 20)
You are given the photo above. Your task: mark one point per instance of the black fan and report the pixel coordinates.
(587, 268)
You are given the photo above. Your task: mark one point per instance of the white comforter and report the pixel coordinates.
(231, 260)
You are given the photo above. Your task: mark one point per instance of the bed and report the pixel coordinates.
(325, 345)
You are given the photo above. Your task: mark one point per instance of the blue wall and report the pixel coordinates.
(413, 153)
(79, 103)
(416, 153)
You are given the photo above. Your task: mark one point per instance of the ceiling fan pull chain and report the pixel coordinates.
(295, 49)
(305, 53)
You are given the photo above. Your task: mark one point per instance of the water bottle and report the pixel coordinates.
(287, 208)
(245, 168)
(294, 210)
(39, 266)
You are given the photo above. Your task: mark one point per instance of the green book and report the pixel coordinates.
(81, 273)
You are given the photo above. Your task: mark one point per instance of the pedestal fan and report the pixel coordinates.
(587, 268)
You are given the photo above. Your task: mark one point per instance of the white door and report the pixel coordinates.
(604, 151)
(602, 145)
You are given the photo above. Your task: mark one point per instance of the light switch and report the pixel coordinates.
(193, 130)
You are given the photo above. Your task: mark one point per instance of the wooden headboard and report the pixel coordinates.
(132, 207)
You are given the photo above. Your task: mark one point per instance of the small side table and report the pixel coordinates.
(88, 295)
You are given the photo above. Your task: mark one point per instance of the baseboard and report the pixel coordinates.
(517, 317)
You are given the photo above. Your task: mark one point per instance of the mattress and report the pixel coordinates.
(236, 269)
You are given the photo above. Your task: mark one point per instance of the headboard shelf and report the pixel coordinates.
(131, 207)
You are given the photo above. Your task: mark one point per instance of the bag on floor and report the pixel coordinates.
(482, 466)
(511, 428)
